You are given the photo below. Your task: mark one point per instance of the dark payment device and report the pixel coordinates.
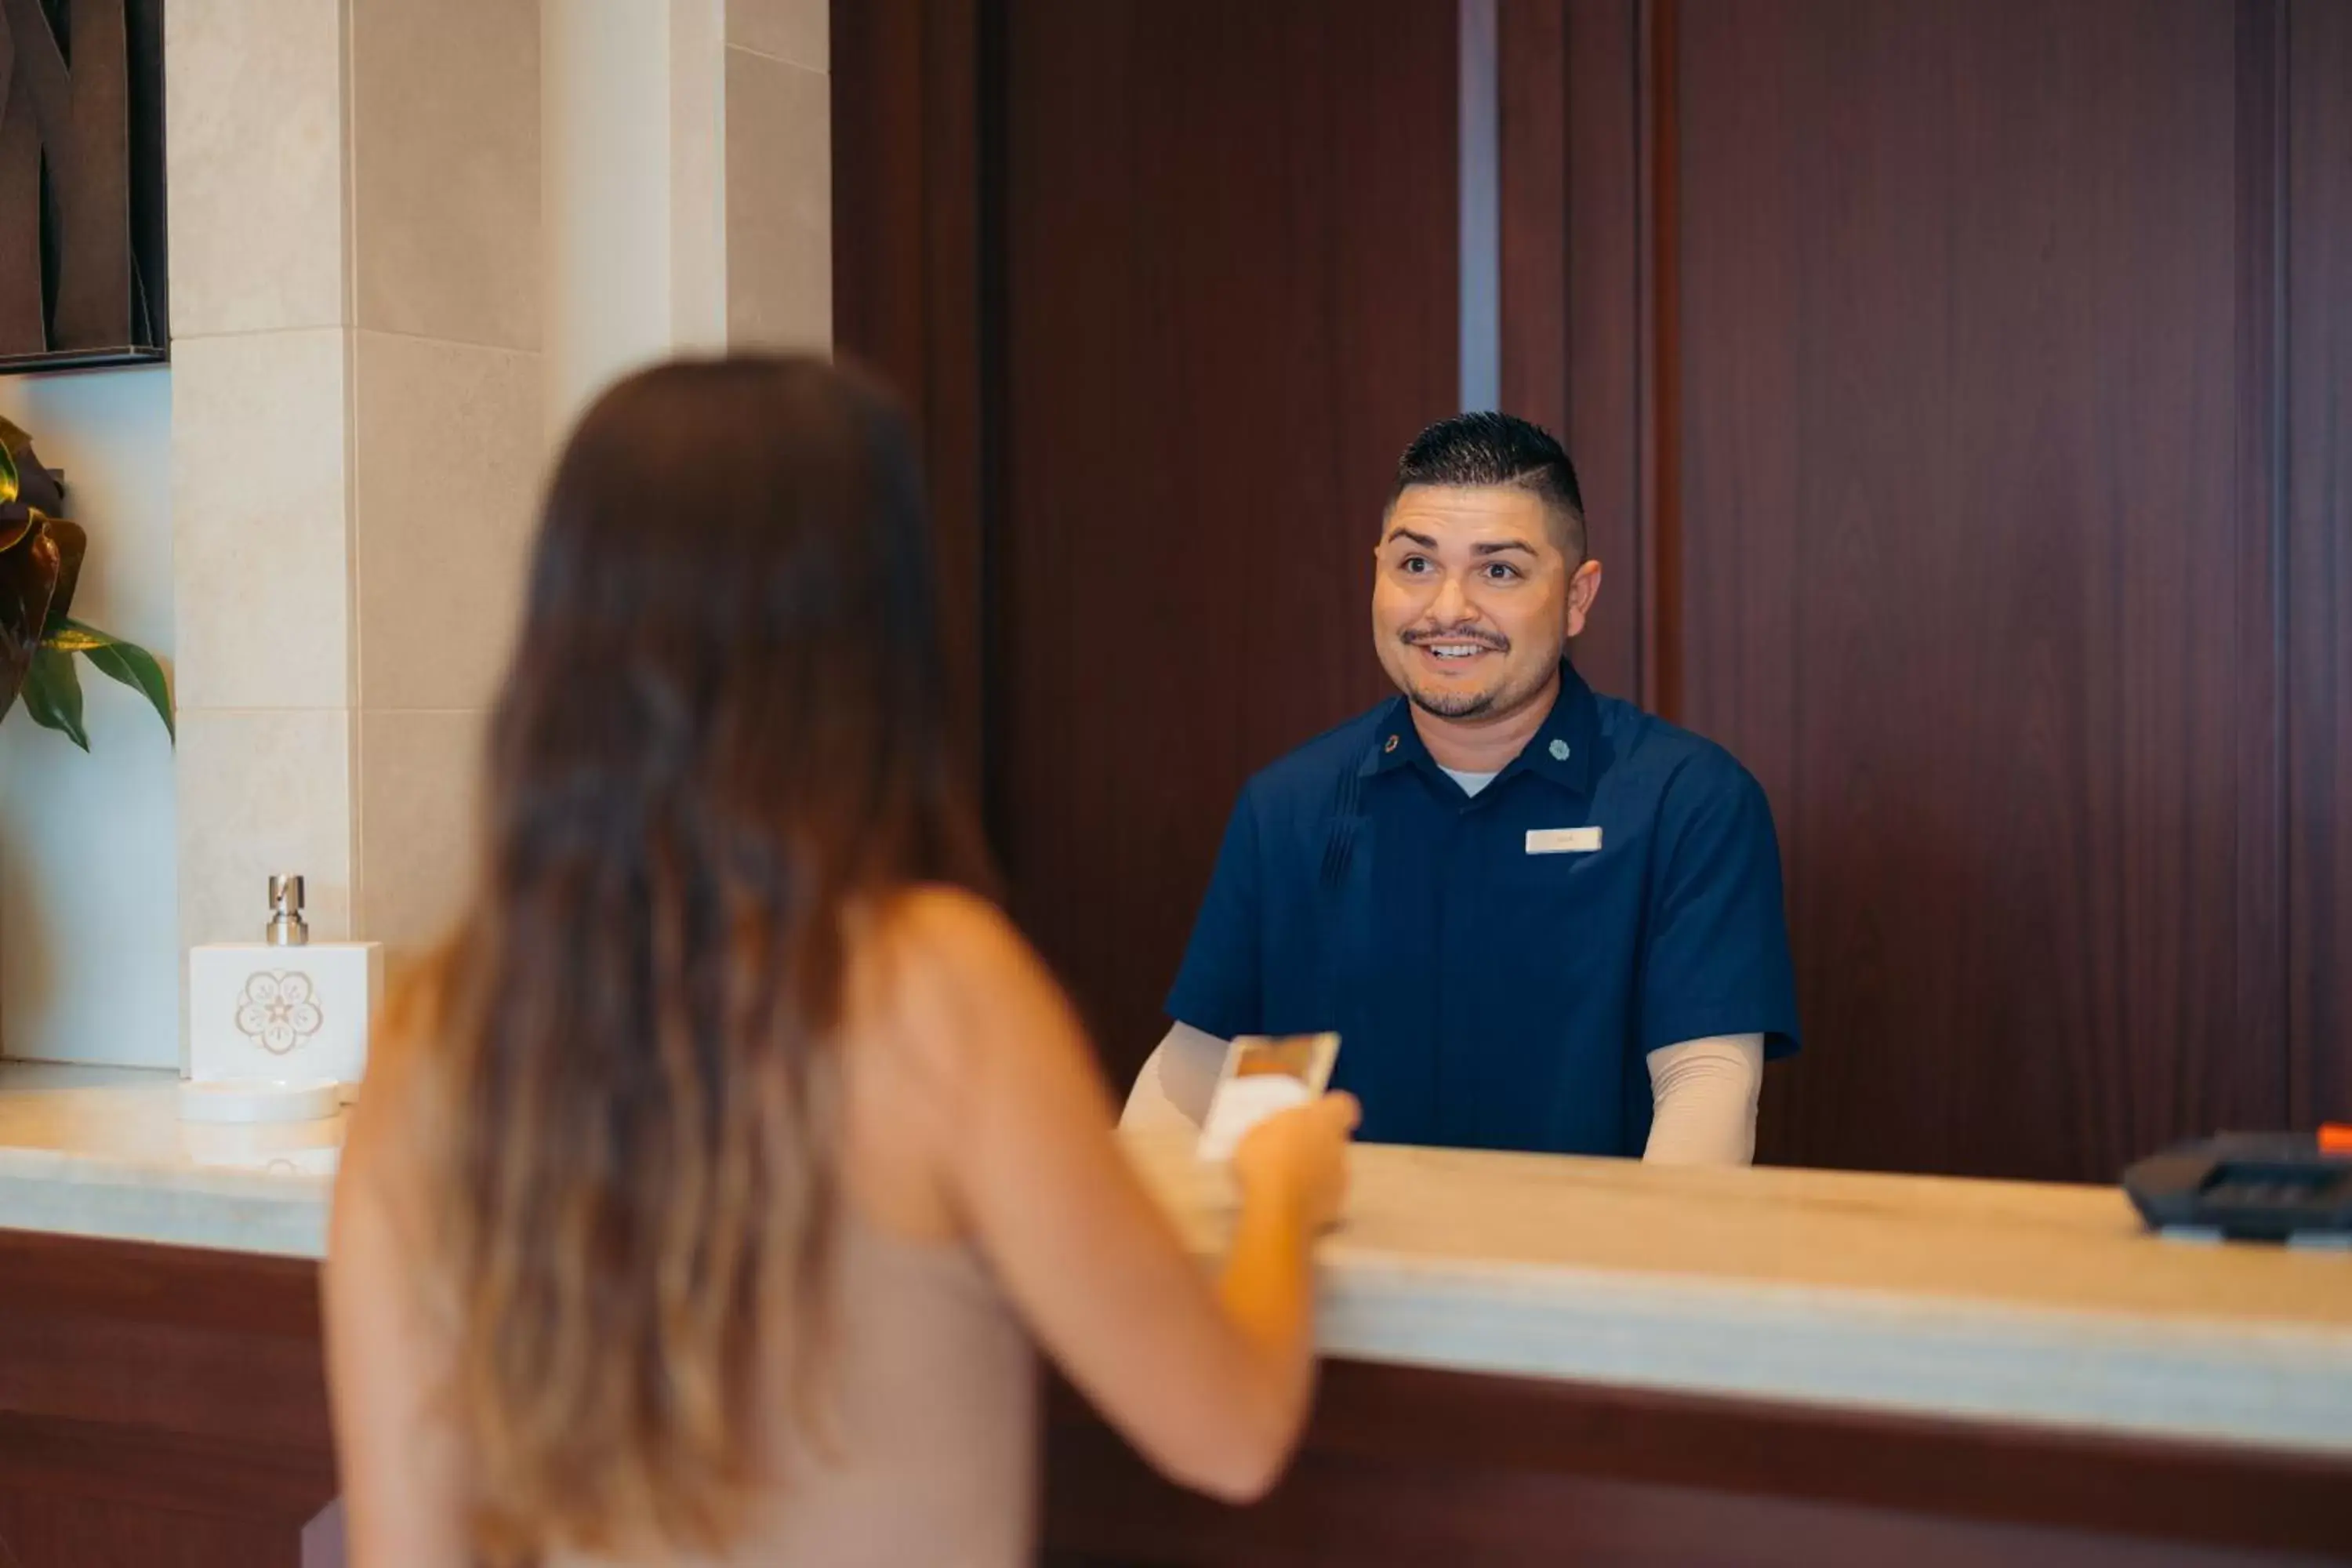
(2292, 1187)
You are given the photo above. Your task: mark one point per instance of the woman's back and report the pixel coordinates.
(915, 1440)
(932, 1401)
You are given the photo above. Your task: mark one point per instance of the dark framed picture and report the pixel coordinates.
(82, 271)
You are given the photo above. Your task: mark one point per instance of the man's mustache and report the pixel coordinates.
(1487, 639)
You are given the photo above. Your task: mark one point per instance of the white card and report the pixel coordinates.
(1262, 1076)
(1563, 840)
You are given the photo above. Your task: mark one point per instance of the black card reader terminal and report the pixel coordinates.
(2289, 1187)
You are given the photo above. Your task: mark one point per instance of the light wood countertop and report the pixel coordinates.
(1991, 1300)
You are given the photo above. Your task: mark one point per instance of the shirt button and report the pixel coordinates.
(1560, 750)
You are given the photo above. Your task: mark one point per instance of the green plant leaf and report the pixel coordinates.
(116, 659)
(53, 695)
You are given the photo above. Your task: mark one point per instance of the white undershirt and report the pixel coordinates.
(1470, 782)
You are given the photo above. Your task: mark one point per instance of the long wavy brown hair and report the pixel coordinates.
(720, 740)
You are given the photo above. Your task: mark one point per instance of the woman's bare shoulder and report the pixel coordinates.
(402, 1098)
(945, 947)
(948, 976)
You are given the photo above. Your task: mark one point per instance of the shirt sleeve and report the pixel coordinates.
(1715, 961)
(1217, 990)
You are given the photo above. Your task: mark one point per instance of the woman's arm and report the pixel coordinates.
(1209, 1379)
(403, 1472)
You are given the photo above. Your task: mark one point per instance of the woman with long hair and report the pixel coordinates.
(714, 1180)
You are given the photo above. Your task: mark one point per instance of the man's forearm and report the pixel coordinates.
(1704, 1094)
(1174, 1086)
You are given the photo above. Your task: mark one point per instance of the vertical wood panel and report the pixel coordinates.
(1570, 188)
(2259, 1065)
(1659, 364)
(1605, 253)
(1229, 281)
(2317, 460)
(911, 193)
(1532, 74)
(1965, 559)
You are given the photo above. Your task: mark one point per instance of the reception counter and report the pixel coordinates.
(1532, 1359)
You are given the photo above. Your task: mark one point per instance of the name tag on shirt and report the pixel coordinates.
(1563, 840)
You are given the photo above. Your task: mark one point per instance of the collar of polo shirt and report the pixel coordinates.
(1561, 750)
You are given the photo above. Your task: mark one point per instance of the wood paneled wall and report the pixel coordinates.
(1958, 392)
(1976, 560)
(1224, 224)
(1216, 247)
(2311, 452)
(1978, 468)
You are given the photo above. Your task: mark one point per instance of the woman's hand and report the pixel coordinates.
(1298, 1160)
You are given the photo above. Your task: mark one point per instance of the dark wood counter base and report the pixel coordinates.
(166, 1408)
(1410, 1465)
(161, 1407)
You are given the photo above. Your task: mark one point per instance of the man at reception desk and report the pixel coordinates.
(1540, 917)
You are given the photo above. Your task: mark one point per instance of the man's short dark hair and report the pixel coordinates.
(1498, 449)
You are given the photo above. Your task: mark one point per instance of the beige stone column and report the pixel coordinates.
(445, 419)
(689, 187)
(372, 333)
(260, 458)
(354, 214)
(778, 144)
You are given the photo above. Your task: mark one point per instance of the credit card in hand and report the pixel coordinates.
(1264, 1075)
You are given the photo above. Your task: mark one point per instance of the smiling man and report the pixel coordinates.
(1540, 919)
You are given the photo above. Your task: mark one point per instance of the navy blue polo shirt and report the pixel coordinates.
(1495, 990)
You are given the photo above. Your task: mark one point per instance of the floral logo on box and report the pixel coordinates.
(278, 1009)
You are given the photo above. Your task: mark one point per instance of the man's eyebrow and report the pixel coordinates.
(1483, 548)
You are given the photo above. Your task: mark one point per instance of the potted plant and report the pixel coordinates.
(40, 558)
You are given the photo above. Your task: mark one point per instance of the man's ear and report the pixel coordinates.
(1584, 588)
